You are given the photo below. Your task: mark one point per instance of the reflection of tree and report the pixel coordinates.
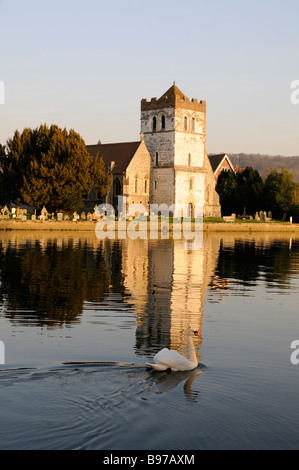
(53, 281)
(248, 260)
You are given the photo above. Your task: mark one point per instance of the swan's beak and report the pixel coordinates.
(196, 333)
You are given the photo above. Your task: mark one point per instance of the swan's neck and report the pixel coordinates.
(191, 348)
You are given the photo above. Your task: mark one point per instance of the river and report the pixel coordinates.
(80, 317)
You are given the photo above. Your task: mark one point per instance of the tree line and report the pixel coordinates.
(277, 192)
(264, 163)
(49, 166)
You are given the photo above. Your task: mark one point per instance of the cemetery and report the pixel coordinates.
(16, 218)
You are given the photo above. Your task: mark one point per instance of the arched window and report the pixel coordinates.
(136, 184)
(157, 159)
(145, 185)
(185, 123)
(154, 124)
(191, 184)
(193, 124)
(155, 184)
(189, 159)
(163, 121)
(116, 188)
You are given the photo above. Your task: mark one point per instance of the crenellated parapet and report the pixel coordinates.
(173, 97)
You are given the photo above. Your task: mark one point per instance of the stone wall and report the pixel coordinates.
(189, 187)
(162, 186)
(161, 141)
(136, 183)
(191, 140)
(212, 205)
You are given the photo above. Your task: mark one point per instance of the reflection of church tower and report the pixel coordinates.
(174, 130)
(176, 283)
(153, 319)
(192, 272)
(135, 272)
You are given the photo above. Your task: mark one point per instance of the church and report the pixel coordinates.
(169, 165)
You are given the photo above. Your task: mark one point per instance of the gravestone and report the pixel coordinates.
(244, 212)
(44, 214)
(5, 212)
(60, 216)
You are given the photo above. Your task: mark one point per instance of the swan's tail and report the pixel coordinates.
(157, 366)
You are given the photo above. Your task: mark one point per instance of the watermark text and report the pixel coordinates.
(157, 221)
(295, 93)
(295, 354)
(2, 352)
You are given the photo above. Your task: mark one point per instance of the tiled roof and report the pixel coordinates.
(171, 93)
(216, 160)
(119, 153)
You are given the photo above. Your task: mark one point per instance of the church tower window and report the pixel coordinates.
(157, 159)
(136, 185)
(154, 124)
(189, 159)
(193, 124)
(163, 121)
(185, 123)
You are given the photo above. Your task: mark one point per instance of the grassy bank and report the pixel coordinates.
(215, 225)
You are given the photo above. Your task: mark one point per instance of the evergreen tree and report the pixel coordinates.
(240, 190)
(226, 188)
(250, 189)
(279, 191)
(50, 166)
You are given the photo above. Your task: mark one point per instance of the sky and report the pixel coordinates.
(86, 65)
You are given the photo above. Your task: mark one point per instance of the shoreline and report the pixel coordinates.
(89, 226)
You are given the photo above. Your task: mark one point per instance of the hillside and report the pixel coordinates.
(263, 163)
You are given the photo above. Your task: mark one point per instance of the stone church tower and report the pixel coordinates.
(174, 130)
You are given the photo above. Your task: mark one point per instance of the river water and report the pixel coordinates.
(80, 317)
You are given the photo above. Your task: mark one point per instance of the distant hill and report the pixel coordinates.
(263, 163)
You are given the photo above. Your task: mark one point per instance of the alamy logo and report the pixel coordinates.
(2, 353)
(2, 93)
(295, 93)
(134, 221)
(294, 356)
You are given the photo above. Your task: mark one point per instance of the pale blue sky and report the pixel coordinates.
(87, 64)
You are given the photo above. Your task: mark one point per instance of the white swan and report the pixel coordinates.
(170, 359)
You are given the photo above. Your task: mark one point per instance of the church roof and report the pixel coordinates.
(216, 161)
(119, 153)
(172, 93)
(173, 97)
